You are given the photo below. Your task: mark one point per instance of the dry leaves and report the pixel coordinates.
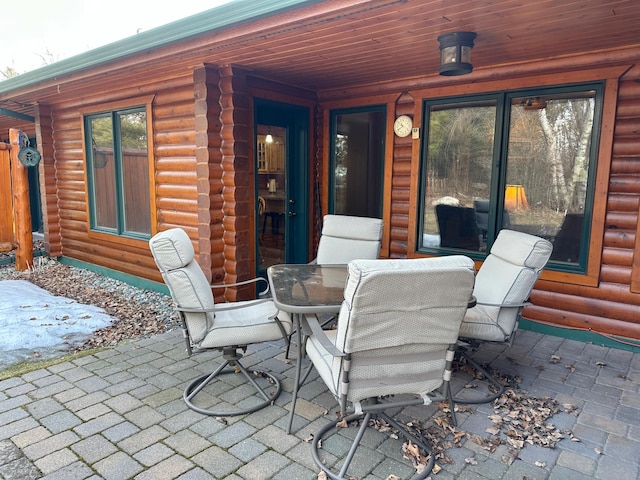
(525, 420)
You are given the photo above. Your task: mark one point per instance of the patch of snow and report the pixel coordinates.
(36, 324)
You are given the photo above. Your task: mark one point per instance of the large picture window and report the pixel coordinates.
(523, 160)
(118, 172)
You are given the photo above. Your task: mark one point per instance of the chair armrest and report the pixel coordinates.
(223, 306)
(514, 305)
(311, 321)
(245, 282)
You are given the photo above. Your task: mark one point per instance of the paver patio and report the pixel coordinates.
(119, 414)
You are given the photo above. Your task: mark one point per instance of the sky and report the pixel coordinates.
(63, 28)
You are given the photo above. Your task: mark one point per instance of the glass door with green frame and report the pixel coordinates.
(281, 158)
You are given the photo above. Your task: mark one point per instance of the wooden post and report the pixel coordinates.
(21, 209)
(7, 238)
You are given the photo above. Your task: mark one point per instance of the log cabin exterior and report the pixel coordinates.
(202, 84)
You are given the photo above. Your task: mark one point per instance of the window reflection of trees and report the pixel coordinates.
(547, 148)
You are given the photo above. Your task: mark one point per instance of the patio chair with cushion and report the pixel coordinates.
(394, 342)
(503, 285)
(345, 238)
(227, 327)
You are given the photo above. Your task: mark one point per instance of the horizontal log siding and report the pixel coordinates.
(613, 306)
(173, 143)
(208, 157)
(401, 185)
(48, 186)
(236, 179)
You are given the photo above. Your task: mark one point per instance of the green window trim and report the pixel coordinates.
(118, 175)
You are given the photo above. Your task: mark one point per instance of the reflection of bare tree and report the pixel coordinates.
(547, 153)
(577, 189)
(558, 185)
(567, 127)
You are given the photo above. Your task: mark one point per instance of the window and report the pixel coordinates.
(523, 160)
(118, 172)
(357, 161)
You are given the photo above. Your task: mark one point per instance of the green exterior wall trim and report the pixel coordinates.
(123, 277)
(581, 335)
(11, 258)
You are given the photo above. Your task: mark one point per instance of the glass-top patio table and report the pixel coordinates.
(301, 289)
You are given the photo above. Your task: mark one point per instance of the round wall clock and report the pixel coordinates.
(402, 126)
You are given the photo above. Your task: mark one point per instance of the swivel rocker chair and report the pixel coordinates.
(227, 327)
(394, 343)
(503, 285)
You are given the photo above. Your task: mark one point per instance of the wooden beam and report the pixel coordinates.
(22, 212)
(6, 212)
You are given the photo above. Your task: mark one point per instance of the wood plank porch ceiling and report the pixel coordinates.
(338, 44)
(378, 41)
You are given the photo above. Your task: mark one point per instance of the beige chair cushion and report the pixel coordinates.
(397, 321)
(246, 323)
(345, 238)
(507, 276)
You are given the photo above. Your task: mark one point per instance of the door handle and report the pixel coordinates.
(292, 214)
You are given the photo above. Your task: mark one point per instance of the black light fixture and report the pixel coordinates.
(455, 53)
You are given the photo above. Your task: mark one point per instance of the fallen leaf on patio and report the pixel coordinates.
(598, 451)
(471, 461)
(222, 420)
(495, 418)
(436, 469)
(515, 443)
(600, 364)
(392, 477)
(540, 367)
(464, 408)
(570, 408)
(488, 444)
(539, 464)
(554, 359)
(410, 451)
(507, 459)
(571, 367)
(342, 424)
(322, 476)
(471, 385)
(493, 430)
(309, 439)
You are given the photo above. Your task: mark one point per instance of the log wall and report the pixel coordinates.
(614, 305)
(609, 307)
(202, 139)
(175, 174)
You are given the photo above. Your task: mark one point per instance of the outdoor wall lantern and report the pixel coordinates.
(455, 53)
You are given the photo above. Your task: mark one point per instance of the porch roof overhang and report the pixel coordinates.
(331, 45)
